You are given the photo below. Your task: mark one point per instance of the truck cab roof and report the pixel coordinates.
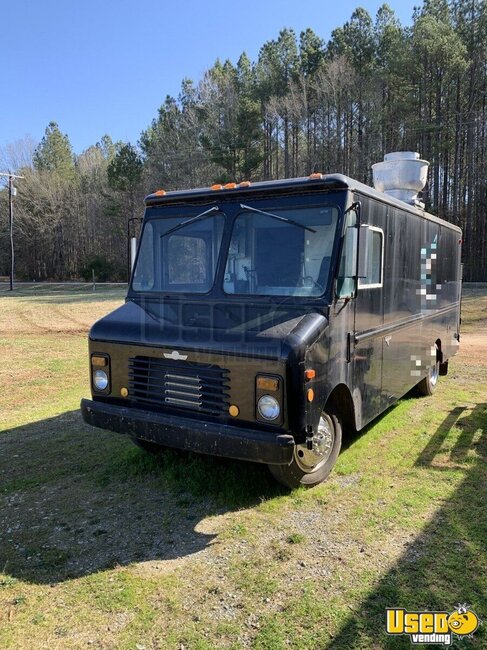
(304, 185)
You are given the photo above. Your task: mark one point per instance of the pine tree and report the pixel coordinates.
(54, 154)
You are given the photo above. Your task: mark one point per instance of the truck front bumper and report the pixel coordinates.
(194, 435)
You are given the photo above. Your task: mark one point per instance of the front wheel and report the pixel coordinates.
(310, 467)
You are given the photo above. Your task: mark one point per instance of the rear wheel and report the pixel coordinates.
(310, 467)
(427, 386)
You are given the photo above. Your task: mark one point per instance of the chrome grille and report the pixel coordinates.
(178, 384)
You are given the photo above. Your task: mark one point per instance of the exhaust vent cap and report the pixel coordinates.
(401, 175)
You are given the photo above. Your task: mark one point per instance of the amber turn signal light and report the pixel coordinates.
(234, 410)
(310, 395)
(99, 362)
(268, 383)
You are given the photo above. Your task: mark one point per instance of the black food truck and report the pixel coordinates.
(265, 321)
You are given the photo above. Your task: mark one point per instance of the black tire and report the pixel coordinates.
(301, 472)
(149, 447)
(427, 386)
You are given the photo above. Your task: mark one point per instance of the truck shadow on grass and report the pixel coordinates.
(445, 564)
(75, 500)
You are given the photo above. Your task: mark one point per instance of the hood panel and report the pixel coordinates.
(241, 329)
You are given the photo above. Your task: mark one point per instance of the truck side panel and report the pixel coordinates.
(404, 326)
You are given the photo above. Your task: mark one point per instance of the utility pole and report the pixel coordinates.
(11, 193)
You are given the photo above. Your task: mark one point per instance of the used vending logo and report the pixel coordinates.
(432, 627)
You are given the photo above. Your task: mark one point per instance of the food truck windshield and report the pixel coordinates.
(283, 251)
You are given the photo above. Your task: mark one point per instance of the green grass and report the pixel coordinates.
(104, 546)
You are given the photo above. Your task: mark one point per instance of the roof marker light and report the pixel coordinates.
(315, 176)
(230, 186)
(245, 184)
(216, 187)
(160, 193)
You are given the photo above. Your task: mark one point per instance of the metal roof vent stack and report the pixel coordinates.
(402, 175)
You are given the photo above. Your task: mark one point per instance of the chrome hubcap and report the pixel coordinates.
(434, 374)
(309, 460)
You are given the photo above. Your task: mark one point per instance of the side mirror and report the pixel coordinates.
(347, 278)
(133, 252)
(351, 241)
(363, 251)
(351, 263)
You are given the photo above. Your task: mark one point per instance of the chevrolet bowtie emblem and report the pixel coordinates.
(175, 356)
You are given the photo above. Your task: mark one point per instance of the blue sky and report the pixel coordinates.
(106, 66)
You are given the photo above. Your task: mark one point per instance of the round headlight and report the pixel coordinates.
(268, 407)
(100, 379)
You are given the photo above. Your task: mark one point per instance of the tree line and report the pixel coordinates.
(305, 105)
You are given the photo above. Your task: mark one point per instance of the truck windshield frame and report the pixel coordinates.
(289, 209)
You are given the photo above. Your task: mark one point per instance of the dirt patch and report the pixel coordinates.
(473, 346)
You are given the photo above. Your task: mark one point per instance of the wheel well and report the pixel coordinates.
(439, 353)
(341, 401)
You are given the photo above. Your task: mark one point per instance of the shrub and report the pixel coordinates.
(103, 268)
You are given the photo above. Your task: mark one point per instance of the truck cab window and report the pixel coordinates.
(373, 278)
(272, 257)
(182, 262)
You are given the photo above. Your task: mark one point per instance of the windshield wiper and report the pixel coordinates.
(199, 217)
(276, 216)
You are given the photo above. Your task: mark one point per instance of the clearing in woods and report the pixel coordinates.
(102, 546)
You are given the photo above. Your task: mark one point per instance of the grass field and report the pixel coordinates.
(102, 546)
